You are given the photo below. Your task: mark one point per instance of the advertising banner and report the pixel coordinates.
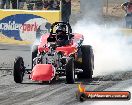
(24, 26)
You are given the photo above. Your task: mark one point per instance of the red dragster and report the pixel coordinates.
(60, 53)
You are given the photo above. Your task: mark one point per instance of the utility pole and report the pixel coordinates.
(107, 7)
(17, 4)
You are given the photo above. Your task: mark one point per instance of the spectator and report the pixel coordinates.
(127, 7)
(21, 4)
(4, 3)
(66, 10)
(14, 4)
(46, 4)
(30, 5)
(39, 5)
(50, 7)
(52, 4)
(56, 4)
(34, 4)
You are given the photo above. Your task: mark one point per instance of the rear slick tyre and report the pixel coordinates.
(70, 72)
(87, 62)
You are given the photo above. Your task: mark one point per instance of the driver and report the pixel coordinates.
(62, 37)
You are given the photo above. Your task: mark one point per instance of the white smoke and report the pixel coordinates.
(111, 49)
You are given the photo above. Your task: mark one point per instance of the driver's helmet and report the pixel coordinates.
(61, 29)
(61, 32)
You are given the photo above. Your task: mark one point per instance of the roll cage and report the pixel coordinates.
(53, 34)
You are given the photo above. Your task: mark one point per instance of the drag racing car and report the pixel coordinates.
(59, 53)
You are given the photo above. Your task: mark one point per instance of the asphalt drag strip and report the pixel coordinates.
(58, 92)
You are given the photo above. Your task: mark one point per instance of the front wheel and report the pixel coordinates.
(70, 72)
(18, 70)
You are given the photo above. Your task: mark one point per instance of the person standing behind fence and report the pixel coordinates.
(127, 7)
(66, 10)
(14, 4)
(56, 4)
(21, 4)
(46, 4)
(50, 7)
(5, 3)
(51, 4)
(18, 4)
(39, 5)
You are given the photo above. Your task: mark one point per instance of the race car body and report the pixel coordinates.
(59, 54)
(68, 49)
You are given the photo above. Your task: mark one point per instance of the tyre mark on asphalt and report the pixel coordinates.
(13, 97)
(73, 101)
(64, 94)
(43, 97)
(58, 93)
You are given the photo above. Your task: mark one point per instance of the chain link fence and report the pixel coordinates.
(113, 8)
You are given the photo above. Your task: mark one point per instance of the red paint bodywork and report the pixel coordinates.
(43, 72)
(46, 72)
(66, 49)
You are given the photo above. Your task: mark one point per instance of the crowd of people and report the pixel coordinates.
(5, 4)
(39, 5)
(30, 4)
(44, 4)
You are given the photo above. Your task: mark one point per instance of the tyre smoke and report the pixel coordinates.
(112, 49)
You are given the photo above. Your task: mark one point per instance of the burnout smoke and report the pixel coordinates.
(111, 48)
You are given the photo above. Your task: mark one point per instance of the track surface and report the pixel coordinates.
(57, 93)
(10, 52)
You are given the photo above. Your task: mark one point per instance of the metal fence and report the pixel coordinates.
(107, 7)
(113, 8)
(30, 4)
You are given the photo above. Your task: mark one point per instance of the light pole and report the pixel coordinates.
(107, 7)
(17, 4)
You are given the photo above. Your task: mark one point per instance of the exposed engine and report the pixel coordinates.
(50, 57)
